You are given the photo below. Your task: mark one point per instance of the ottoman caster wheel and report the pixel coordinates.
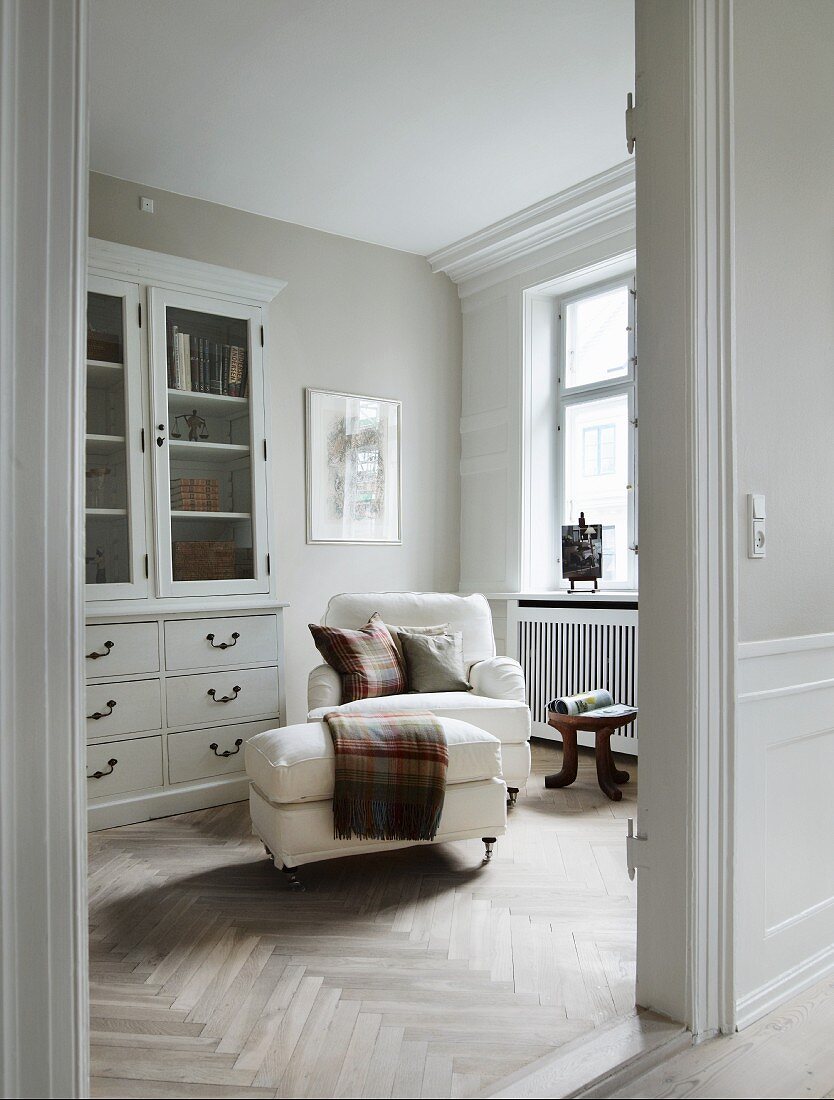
(512, 796)
(489, 844)
(293, 880)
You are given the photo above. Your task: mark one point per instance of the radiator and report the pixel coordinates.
(568, 649)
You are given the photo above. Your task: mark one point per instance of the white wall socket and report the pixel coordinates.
(756, 515)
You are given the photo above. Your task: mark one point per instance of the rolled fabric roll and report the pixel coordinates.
(580, 704)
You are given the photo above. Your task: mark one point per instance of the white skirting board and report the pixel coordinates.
(784, 877)
(618, 744)
(147, 805)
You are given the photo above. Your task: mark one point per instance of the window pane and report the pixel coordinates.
(597, 338)
(597, 473)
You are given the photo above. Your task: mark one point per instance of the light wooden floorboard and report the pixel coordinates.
(419, 973)
(789, 1053)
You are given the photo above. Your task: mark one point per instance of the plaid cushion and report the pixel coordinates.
(365, 659)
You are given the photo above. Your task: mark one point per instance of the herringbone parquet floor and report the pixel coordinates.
(420, 973)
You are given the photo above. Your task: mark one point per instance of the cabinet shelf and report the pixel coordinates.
(212, 404)
(102, 373)
(183, 451)
(105, 444)
(227, 517)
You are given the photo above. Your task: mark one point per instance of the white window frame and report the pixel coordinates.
(577, 395)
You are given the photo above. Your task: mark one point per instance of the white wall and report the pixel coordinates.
(784, 166)
(590, 228)
(353, 317)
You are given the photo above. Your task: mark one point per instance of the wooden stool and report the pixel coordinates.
(608, 774)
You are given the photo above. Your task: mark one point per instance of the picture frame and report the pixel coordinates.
(353, 468)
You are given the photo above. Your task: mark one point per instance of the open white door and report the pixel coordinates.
(43, 219)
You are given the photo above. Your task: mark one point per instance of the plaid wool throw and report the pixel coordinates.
(390, 775)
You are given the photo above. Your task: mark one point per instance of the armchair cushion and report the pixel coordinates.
(499, 678)
(506, 719)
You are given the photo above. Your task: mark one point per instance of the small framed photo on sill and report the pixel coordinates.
(353, 468)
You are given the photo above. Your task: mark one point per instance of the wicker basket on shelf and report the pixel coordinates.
(204, 561)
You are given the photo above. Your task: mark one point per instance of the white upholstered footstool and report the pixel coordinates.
(292, 772)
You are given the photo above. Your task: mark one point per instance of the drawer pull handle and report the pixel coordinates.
(111, 764)
(95, 656)
(224, 698)
(228, 752)
(223, 645)
(103, 713)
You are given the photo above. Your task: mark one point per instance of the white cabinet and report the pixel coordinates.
(210, 445)
(184, 632)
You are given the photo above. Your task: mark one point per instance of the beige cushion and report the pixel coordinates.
(297, 763)
(395, 631)
(434, 663)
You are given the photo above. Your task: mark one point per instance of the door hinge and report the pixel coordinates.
(143, 440)
(140, 315)
(634, 422)
(147, 572)
(264, 450)
(267, 565)
(631, 136)
(635, 548)
(636, 849)
(262, 336)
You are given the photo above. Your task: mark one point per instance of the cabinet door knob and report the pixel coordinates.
(228, 752)
(100, 775)
(95, 656)
(224, 698)
(103, 713)
(223, 645)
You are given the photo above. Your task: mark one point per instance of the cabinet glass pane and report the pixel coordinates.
(107, 551)
(209, 434)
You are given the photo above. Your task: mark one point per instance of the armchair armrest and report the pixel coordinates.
(499, 678)
(324, 688)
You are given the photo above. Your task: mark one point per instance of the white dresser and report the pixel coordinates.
(184, 644)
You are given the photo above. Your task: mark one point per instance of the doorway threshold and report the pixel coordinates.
(597, 1063)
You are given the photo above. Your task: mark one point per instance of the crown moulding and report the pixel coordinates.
(583, 206)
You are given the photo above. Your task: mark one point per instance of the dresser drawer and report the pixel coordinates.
(122, 766)
(221, 696)
(191, 755)
(121, 649)
(128, 706)
(215, 643)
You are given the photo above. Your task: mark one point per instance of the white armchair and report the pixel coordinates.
(497, 702)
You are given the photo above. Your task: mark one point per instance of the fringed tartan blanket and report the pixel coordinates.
(390, 775)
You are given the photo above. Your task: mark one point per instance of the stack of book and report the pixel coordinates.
(203, 561)
(195, 494)
(201, 365)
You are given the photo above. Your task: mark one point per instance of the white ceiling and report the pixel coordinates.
(408, 123)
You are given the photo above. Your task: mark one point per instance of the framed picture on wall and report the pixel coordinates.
(353, 468)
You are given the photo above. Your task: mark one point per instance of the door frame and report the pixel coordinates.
(43, 223)
(684, 129)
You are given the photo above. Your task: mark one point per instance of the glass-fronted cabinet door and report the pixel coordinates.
(209, 445)
(114, 506)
